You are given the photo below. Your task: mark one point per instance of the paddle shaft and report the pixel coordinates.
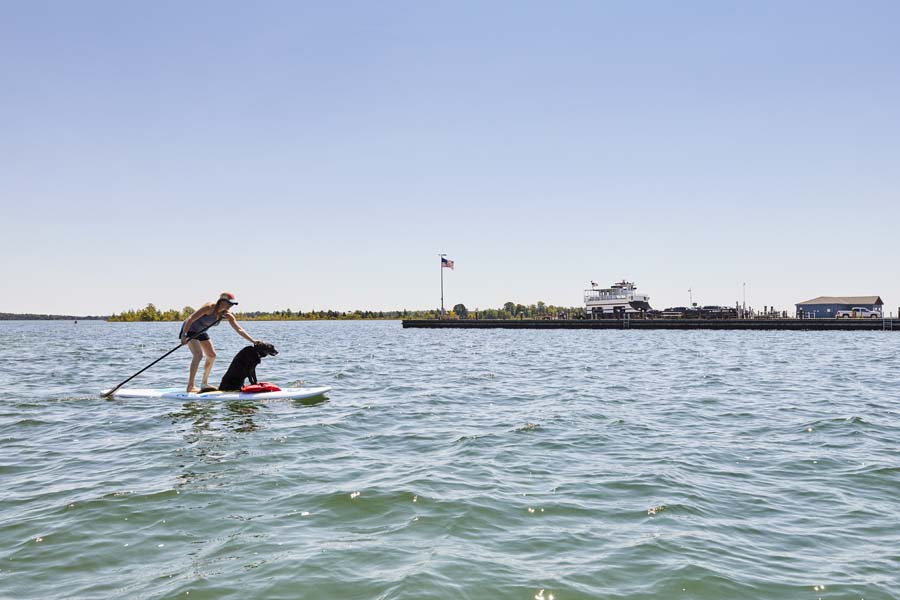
(110, 392)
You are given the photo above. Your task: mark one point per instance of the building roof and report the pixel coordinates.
(855, 300)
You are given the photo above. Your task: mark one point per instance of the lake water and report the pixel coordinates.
(454, 464)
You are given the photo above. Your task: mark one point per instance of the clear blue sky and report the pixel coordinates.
(312, 154)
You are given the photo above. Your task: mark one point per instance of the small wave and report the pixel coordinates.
(32, 423)
(618, 388)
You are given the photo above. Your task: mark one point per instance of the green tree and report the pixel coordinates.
(150, 313)
(461, 311)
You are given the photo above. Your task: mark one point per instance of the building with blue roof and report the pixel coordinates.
(826, 307)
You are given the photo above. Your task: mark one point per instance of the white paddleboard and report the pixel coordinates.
(180, 394)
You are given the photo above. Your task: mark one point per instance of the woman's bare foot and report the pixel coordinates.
(193, 390)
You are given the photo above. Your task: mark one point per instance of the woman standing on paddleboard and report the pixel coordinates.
(193, 333)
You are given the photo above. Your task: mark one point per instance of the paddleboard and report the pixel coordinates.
(180, 394)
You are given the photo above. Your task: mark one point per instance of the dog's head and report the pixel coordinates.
(264, 349)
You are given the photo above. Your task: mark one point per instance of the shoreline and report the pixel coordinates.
(36, 317)
(47, 317)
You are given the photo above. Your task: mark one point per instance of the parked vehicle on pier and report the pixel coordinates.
(698, 312)
(718, 312)
(857, 312)
(674, 312)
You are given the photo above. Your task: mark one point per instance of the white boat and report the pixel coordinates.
(616, 300)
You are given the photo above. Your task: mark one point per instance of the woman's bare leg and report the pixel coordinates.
(210, 353)
(196, 356)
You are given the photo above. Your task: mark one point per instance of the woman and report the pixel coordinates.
(193, 333)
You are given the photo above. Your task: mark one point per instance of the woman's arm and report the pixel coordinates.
(238, 328)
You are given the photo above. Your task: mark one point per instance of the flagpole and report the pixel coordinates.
(441, 263)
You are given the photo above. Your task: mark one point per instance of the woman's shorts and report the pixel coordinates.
(200, 338)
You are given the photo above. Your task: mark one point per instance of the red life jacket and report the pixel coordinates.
(262, 386)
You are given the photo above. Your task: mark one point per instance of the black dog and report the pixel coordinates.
(244, 366)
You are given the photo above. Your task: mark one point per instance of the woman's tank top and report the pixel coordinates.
(203, 322)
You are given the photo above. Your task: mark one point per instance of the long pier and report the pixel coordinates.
(743, 324)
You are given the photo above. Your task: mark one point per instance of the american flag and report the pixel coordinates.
(446, 263)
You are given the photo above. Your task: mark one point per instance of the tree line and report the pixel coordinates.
(510, 310)
(151, 313)
(43, 317)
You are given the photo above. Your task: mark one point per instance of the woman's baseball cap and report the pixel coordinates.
(228, 297)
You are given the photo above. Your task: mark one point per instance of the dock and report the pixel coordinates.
(681, 324)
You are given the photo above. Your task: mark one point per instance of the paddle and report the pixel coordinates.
(110, 392)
